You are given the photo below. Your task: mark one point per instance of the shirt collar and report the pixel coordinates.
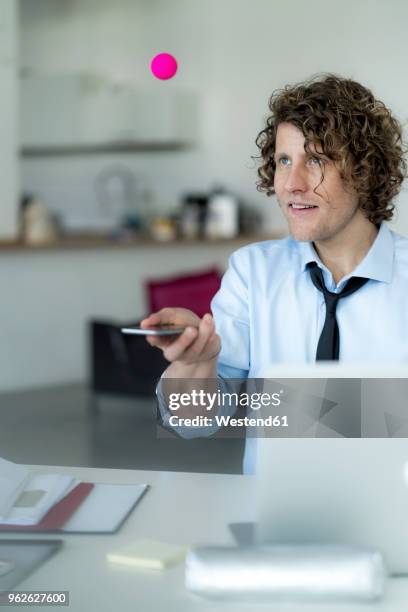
(376, 265)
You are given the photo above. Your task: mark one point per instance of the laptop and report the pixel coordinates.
(339, 490)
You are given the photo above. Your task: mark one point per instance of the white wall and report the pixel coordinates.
(233, 52)
(8, 120)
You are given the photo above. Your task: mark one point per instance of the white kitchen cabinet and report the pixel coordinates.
(87, 110)
(49, 111)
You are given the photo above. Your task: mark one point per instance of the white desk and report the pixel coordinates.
(179, 508)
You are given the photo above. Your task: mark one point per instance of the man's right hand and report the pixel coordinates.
(198, 344)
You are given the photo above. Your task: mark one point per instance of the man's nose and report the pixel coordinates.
(296, 179)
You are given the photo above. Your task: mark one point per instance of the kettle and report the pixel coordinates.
(222, 215)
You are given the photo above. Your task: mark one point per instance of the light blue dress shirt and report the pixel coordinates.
(268, 311)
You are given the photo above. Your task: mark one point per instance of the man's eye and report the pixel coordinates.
(283, 161)
(316, 161)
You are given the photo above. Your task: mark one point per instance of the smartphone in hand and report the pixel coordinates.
(157, 330)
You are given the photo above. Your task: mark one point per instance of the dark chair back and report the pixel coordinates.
(192, 291)
(122, 364)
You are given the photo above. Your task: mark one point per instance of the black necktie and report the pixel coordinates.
(329, 342)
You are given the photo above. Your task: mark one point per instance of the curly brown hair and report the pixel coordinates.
(344, 122)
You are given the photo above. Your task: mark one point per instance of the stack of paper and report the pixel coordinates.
(39, 495)
(27, 498)
(13, 479)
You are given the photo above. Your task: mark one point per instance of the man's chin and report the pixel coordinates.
(304, 234)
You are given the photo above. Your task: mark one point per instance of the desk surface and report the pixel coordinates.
(181, 509)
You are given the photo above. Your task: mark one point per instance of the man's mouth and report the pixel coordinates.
(302, 209)
(301, 205)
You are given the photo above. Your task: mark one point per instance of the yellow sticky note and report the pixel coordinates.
(148, 554)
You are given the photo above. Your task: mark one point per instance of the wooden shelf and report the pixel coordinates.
(104, 148)
(102, 241)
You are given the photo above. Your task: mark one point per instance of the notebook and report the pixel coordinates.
(88, 508)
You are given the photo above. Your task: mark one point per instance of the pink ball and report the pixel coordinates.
(163, 66)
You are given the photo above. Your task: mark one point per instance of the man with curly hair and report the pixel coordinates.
(337, 287)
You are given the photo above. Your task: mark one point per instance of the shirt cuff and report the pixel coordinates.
(191, 432)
